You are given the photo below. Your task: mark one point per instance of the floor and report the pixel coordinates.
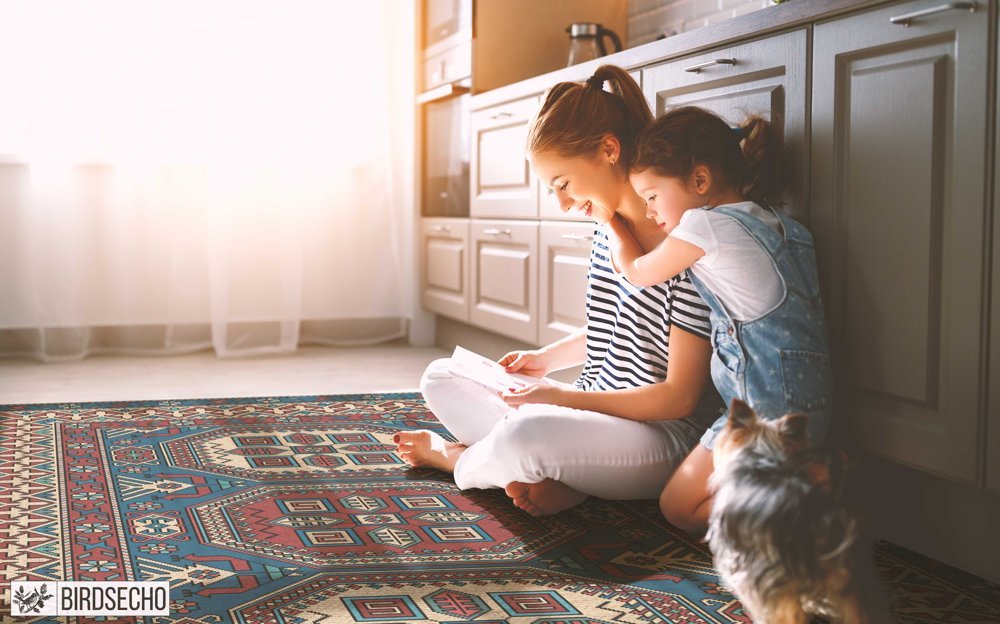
(309, 371)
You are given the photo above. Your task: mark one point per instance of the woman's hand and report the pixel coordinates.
(537, 393)
(531, 363)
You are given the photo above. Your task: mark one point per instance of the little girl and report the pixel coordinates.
(753, 266)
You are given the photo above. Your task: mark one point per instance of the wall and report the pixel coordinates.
(518, 39)
(648, 19)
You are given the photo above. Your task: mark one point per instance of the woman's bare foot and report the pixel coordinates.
(544, 498)
(426, 449)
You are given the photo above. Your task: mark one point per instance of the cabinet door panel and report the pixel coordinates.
(502, 182)
(768, 78)
(564, 260)
(446, 274)
(504, 278)
(899, 125)
(993, 383)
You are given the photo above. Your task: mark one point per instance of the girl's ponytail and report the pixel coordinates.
(575, 116)
(765, 162)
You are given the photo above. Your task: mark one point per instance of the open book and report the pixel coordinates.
(488, 373)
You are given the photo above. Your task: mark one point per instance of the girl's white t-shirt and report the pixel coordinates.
(734, 266)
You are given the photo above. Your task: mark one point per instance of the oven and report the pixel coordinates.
(444, 103)
(446, 156)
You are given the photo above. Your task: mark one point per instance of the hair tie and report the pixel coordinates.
(740, 133)
(596, 82)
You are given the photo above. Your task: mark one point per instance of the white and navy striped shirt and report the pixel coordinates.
(628, 327)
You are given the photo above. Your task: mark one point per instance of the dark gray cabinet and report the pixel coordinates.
(899, 209)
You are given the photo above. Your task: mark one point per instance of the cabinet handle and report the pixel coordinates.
(440, 228)
(905, 20)
(496, 232)
(502, 115)
(577, 237)
(700, 66)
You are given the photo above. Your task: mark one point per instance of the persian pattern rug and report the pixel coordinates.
(296, 510)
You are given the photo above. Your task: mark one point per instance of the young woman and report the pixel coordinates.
(710, 188)
(642, 400)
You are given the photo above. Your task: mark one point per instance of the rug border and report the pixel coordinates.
(318, 398)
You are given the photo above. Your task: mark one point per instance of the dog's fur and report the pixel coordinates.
(780, 536)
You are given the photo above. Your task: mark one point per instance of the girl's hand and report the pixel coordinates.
(525, 362)
(538, 393)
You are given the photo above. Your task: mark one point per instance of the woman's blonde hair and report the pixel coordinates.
(750, 158)
(575, 116)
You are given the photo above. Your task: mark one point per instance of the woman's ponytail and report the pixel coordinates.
(575, 116)
(766, 164)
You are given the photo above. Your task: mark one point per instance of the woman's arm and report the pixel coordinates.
(675, 397)
(665, 261)
(563, 353)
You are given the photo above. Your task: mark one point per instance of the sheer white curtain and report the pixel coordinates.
(176, 175)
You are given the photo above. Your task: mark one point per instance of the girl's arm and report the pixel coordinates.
(675, 397)
(665, 261)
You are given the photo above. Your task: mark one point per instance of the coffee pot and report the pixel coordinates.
(586, 41)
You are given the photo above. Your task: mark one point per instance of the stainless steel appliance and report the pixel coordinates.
(586, 41)
(446, 154)
(447, 76)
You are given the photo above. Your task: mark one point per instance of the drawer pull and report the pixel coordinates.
(577, 237)
(497, 232)
(440, 228)
(502, 115)
(905, 20)
(700, 66)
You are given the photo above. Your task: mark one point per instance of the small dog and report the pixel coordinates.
(780, 537)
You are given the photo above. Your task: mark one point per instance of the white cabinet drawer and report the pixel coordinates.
(503, 185)
(445, 252)
(505, 277)
(564, 261)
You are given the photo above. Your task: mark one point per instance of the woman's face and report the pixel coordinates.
(588, 185)
(666, 198)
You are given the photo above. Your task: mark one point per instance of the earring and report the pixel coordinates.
(612, 162)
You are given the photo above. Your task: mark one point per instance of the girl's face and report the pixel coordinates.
(588, 185)
(666, 198)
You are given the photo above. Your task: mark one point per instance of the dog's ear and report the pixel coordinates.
(741, 416)
(793, 430)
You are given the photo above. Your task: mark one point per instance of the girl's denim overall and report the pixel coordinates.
(778, 363)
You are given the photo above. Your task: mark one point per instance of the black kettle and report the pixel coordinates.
(586, 41)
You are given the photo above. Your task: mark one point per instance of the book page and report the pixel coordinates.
(488, 373)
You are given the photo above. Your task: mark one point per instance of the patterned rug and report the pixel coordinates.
(296, 511)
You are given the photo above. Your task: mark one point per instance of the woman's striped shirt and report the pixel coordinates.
(628, 327)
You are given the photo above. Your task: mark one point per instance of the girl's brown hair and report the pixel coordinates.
(576, 116)
(750, 158)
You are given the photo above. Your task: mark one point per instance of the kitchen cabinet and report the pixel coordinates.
(504, 277)
(993, 383)
(503, 185)
(899, 148)
(445, 252)
(768, 77)
(564, 260)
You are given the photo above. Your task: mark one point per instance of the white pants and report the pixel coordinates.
(593, 453)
